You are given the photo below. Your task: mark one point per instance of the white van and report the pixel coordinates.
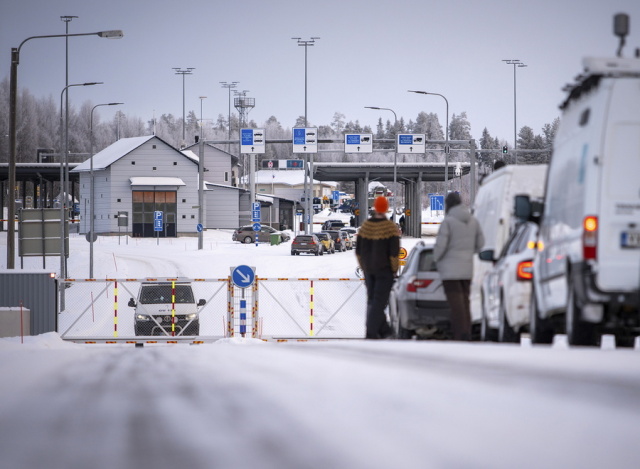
(494, 207)
(587, 268)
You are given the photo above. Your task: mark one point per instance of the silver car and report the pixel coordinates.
(417, 304)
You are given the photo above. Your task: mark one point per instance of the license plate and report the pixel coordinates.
(630, 239)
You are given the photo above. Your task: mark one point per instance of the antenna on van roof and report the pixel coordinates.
(621, 29)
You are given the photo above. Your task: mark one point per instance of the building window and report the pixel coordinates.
(184, 201)
(133, 162)
(145, 203)
(119, 200)
(226, 177)
(175, 163)
(152, 146)
(154, 168)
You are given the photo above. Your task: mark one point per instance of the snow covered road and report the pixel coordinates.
(244, 403)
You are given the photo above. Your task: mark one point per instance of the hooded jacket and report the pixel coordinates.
(459, 237)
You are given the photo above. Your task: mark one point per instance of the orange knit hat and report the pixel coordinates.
(381, 204)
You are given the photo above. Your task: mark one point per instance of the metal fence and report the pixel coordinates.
(284, 308)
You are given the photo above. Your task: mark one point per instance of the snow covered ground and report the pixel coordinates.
(244, 403)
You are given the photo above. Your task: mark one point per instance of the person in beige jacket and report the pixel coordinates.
(459, 238)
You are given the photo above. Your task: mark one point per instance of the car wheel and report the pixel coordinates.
(505, 331)
(578, 332)
(316, 253)
(322, 252)
(247, 240)
(539, 329)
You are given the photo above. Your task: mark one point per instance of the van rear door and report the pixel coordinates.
(618, 239)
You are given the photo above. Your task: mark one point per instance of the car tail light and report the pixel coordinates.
(416, 283)
(525, 270)
(590, 237)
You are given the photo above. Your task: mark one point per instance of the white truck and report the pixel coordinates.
(586, 276)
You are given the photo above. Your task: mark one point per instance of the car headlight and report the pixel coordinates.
(191, 316)
(142, 317)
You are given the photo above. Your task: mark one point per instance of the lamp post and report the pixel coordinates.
(64, 189)
(515, 63)
(395, 158)
(201, 180)
(13, 91)
(92, 192)
(306, 43)
(446, 137)
(183, 72)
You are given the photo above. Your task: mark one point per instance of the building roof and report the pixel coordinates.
(117, 150)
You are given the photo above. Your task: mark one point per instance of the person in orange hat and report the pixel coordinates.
(377, 253)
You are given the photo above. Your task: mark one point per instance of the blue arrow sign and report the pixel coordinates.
(256, 227)
(437, 202)
(243, 276)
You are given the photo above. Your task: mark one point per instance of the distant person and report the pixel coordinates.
(402, 223)
(377, 253)
(459, 237)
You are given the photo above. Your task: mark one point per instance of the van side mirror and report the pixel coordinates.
(202, 302)
(486, 255)
(132, 303)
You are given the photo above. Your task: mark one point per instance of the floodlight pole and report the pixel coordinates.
(518, 63)
(183, 72)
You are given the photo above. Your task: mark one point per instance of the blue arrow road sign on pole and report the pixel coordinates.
(243, 276)
(437, 202)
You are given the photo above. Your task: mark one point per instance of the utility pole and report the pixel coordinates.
(183, 72)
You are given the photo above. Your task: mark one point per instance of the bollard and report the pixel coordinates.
(560, 341)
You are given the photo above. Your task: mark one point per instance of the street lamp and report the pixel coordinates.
(395, 159)
(13, 92)
(201, 180)
(515, 63)
(306, 43)
(183, 72)
(64, 187)
(446, 137)
(92, 188)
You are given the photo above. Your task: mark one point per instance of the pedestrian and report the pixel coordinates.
(377, 253)
(459, 237)
(402, 227)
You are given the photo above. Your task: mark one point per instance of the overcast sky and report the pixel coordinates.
(368, 54)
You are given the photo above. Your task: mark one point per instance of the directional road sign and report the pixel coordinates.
(437, 202)
(411, 143)
(358, 143)
(256, 226)
(305, 140)
(243, 276)
(252, 141)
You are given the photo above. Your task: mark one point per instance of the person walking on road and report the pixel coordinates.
(459, 237)
(377, 253)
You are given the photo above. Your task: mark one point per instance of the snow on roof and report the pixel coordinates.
(156, 181)
(113, 153)
(191, 155)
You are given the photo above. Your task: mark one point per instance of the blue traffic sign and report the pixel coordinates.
(247, 136)
(157, 215)
(243, 276)
(255, 215)
(256, 227)
(199, 227)
(299, 136)
(437, 202)
(405, 139)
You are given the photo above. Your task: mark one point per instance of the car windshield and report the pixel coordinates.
(161, 294)
(323, 236)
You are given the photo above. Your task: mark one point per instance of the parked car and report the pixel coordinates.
(494, 209)
(353, 232)
(245, 234)
(586, 271)
(307, 243)
(327, 243)
(506, 289)
(337, 239)
(333, 225)
(417, 303)
(166, 308)
(346, 239)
